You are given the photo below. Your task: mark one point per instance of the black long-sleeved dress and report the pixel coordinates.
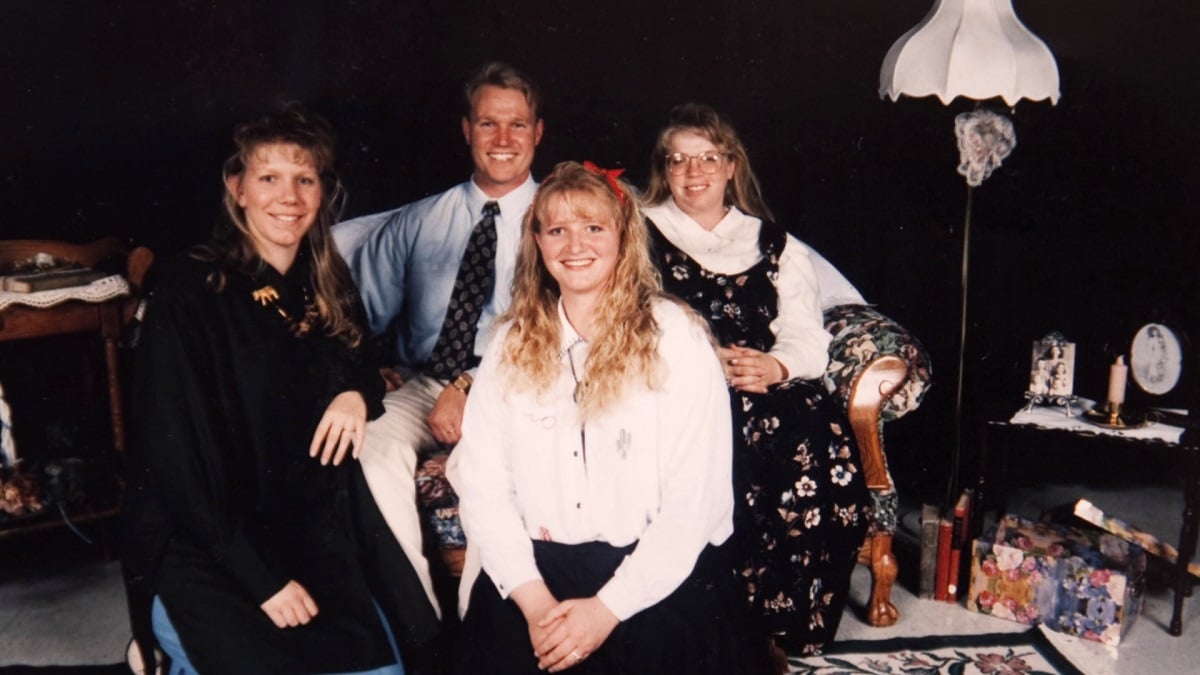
(225, 505)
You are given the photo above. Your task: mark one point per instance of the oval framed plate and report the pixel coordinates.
(1156, 359)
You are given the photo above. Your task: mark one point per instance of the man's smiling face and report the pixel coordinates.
(502, 132)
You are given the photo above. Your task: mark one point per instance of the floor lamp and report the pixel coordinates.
(977, 49)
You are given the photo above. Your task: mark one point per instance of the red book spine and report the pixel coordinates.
(952, 580)
(958, 540)
(945, 534)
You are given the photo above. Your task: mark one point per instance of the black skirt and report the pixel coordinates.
(698, 629)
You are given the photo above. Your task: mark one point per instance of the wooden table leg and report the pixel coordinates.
(1187, 538)
(111, 330)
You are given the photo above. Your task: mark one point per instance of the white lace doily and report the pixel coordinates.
(100, 290)
(1054, 418)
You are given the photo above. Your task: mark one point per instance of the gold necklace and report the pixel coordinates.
(268, 297)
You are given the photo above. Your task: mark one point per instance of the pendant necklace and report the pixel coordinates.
(268, 298)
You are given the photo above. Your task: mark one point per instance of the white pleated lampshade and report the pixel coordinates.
(978, 49)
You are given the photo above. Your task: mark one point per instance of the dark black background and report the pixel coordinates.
(116, 117)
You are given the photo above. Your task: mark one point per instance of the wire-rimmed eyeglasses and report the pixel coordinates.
(709, 161)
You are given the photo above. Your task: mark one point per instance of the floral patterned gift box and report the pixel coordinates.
(1085, 582)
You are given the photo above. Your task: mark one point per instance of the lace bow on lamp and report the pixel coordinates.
(985, 138)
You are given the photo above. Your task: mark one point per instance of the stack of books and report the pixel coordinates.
(944, 536)
(48, 280)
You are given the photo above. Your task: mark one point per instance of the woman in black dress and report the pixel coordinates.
(799, 489)
(245, 524)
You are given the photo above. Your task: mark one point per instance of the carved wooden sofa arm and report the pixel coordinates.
(881, 372)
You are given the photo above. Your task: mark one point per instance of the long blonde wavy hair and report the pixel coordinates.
(623, 348)
(232, 246)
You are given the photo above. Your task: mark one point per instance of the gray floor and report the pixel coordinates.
(69, 614)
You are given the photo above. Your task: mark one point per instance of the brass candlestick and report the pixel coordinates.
(1114, 414)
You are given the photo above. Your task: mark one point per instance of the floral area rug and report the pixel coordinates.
(1028, 653)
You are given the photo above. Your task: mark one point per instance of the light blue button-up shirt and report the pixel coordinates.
(406, 265)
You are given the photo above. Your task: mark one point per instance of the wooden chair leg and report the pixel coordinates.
(874, 383)
(877, 554)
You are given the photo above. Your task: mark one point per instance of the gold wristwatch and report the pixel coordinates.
(463, 383)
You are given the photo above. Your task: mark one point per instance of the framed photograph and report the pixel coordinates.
(1156, 359)
(1052, 368)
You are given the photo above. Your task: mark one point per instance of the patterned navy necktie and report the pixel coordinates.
(455, 348)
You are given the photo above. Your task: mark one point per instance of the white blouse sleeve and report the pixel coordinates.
(801, 342)
(480, 471)
(694, 468)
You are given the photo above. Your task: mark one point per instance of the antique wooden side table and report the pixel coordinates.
(1183, 453)
(105, 318)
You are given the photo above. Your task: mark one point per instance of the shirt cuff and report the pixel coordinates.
(509, 565)
(788, 364)
(509, 580)
(621, 600)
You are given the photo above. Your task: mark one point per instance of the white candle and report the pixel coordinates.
(1117, 374)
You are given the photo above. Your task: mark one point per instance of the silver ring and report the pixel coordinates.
(575, 655)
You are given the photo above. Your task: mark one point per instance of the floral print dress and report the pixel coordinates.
(799, 486)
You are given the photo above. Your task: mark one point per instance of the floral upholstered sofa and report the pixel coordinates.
(877, 369)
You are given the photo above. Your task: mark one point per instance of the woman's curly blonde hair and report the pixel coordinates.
(623, 347)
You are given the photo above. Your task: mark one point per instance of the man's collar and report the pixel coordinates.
(512, 205)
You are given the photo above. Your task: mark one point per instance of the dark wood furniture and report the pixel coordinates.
(994, 479)
(872, 388)
(105, 319)
(880, 372)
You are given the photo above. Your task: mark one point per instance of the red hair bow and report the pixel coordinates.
(610, 175)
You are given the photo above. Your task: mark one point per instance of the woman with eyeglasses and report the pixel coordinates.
(798, 482)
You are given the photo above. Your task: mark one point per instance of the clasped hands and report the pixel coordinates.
(563, 633)
(750, 370)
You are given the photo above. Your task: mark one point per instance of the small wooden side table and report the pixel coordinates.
(992, 485)
(22, 322)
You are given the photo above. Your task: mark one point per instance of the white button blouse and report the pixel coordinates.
(654, 468)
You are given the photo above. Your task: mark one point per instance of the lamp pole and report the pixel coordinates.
(962, 349)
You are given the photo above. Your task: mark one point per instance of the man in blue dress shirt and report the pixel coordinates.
(406, 266)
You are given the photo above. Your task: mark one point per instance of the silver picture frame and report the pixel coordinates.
(1052, 372)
